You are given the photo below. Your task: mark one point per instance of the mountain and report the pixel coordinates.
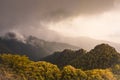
(86, 42)
(16, 67)
(102, 56)
(31, 46)
(65, 57)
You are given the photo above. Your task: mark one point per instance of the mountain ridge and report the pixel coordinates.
(87, 42)
(32, 47)
(102, 56)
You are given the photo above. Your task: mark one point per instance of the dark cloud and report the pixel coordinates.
(26, 14)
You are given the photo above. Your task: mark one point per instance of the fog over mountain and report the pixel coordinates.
(30, 46)
(64, 39)
(53, 19)
(59, 42)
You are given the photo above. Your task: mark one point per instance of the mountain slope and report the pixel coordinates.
(32, 47)
(16, 67)
(65, 57)
(102, 56)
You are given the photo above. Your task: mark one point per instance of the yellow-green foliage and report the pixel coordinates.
(41, 70)
(70, 73)
(116, 70)
(100, 74)
(18, 63)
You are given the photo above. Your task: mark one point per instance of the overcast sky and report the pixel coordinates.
(99, 19)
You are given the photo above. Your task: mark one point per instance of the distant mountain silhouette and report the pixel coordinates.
(87, 42)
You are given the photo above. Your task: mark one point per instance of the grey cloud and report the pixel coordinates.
(14, 35)
(23, 15)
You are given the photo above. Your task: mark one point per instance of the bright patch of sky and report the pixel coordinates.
(105, 26)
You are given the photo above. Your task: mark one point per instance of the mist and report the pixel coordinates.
(28, 17)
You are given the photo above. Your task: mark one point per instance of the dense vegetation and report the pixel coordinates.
(15, 67)
(101, 63)
(101, 57)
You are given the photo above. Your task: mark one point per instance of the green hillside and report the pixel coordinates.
(102, 56)
(15, 67)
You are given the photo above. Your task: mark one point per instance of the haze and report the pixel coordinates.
(98, 19)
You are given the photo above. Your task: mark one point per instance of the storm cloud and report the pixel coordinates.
(26, 16)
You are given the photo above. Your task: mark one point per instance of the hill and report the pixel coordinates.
(102, 56)
(31, 46)
(15, 67)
